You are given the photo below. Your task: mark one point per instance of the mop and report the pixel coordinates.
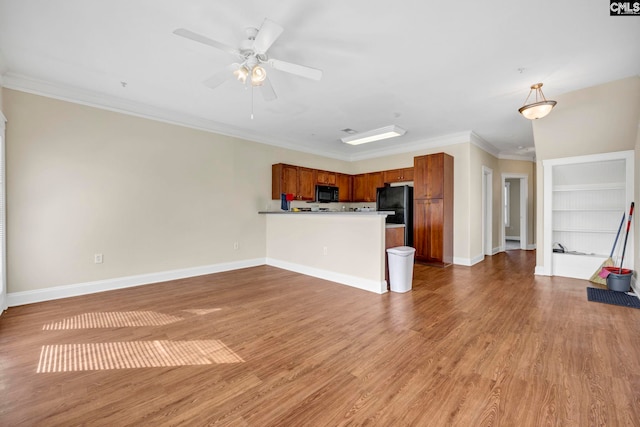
(597, 276)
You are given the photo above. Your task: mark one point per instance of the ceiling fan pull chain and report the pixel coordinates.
(251, 102)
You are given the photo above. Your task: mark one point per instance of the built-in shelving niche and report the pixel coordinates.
(585, 199)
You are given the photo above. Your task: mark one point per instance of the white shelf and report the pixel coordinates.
(588, 210)
(591, 187)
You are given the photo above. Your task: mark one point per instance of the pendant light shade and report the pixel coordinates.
(258, 75)
(538, 109)
(241, 74)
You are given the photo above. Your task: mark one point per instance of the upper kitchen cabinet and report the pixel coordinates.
(359, 185)
(284, 179)
(365, 185)
(432, 173)
(345, 184)
(374, 181)
(306, 184)
(325, 177)
(294, 180)
(398, 175)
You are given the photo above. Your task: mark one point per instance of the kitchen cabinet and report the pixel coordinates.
(429, 232)
(306, 184)
(398, 175)
(295, 180)
(325, 177)
(284, 179)
(373, 181)
(365, 185)
(433, 209)
(429, 175)
(344, 183)
(359, 185)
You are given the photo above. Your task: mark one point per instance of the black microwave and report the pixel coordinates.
(326, 194)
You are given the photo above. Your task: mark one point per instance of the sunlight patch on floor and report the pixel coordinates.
(121, 319)
(113, 320)
(133, 354)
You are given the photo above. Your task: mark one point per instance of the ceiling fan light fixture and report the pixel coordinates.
(374, 135)
(538, 109)
(241, 74)
(258, 75)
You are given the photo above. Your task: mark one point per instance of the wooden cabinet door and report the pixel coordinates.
(359, 186)
(407, 174)
(306, 184)
(420, 177)
(373, 181)
(398, 175)
(284, 179)
(344, 187)
(393, 175)
(326, 177)
(428, 230)
(435, 176)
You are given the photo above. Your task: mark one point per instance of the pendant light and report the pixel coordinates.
(538, 109)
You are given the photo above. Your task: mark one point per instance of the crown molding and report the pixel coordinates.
(481, 143)
(120, 105)
(132, 108)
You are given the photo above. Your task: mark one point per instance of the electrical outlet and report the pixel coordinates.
(324, 250)
(97, 258)
(236, 245)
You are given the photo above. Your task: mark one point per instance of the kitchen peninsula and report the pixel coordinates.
(343, 247)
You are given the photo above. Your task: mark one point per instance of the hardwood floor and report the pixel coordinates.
(486, 345)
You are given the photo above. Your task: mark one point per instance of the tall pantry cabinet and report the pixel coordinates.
(433, 209)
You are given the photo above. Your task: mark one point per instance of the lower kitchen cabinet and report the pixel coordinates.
(433, 231)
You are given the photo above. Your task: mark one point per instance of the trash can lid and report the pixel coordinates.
(402, 250)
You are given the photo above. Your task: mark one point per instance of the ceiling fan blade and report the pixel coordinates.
(183, 32)
(267, 91)
(267, 34)
(299, 70)
(221, 76)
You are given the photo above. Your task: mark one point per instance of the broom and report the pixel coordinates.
(596, 277)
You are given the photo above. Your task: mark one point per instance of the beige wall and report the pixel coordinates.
(599, 119)
(154, 197)
(149, 196)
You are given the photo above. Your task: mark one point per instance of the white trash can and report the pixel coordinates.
(401, 268)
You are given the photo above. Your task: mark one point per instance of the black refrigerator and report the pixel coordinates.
(400, 200)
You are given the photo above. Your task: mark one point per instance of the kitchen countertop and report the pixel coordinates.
(394, 225)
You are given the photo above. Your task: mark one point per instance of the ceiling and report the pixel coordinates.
(440, 70)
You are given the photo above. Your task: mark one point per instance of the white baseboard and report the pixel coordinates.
(345, 279)
(66, 291)
(541, 271)
(468, 262)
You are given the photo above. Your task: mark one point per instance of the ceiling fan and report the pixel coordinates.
(252, 55)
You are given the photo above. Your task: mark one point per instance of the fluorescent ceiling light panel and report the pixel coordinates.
(374, 135)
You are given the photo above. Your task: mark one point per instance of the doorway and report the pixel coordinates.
(487, 211)
(514, 211)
